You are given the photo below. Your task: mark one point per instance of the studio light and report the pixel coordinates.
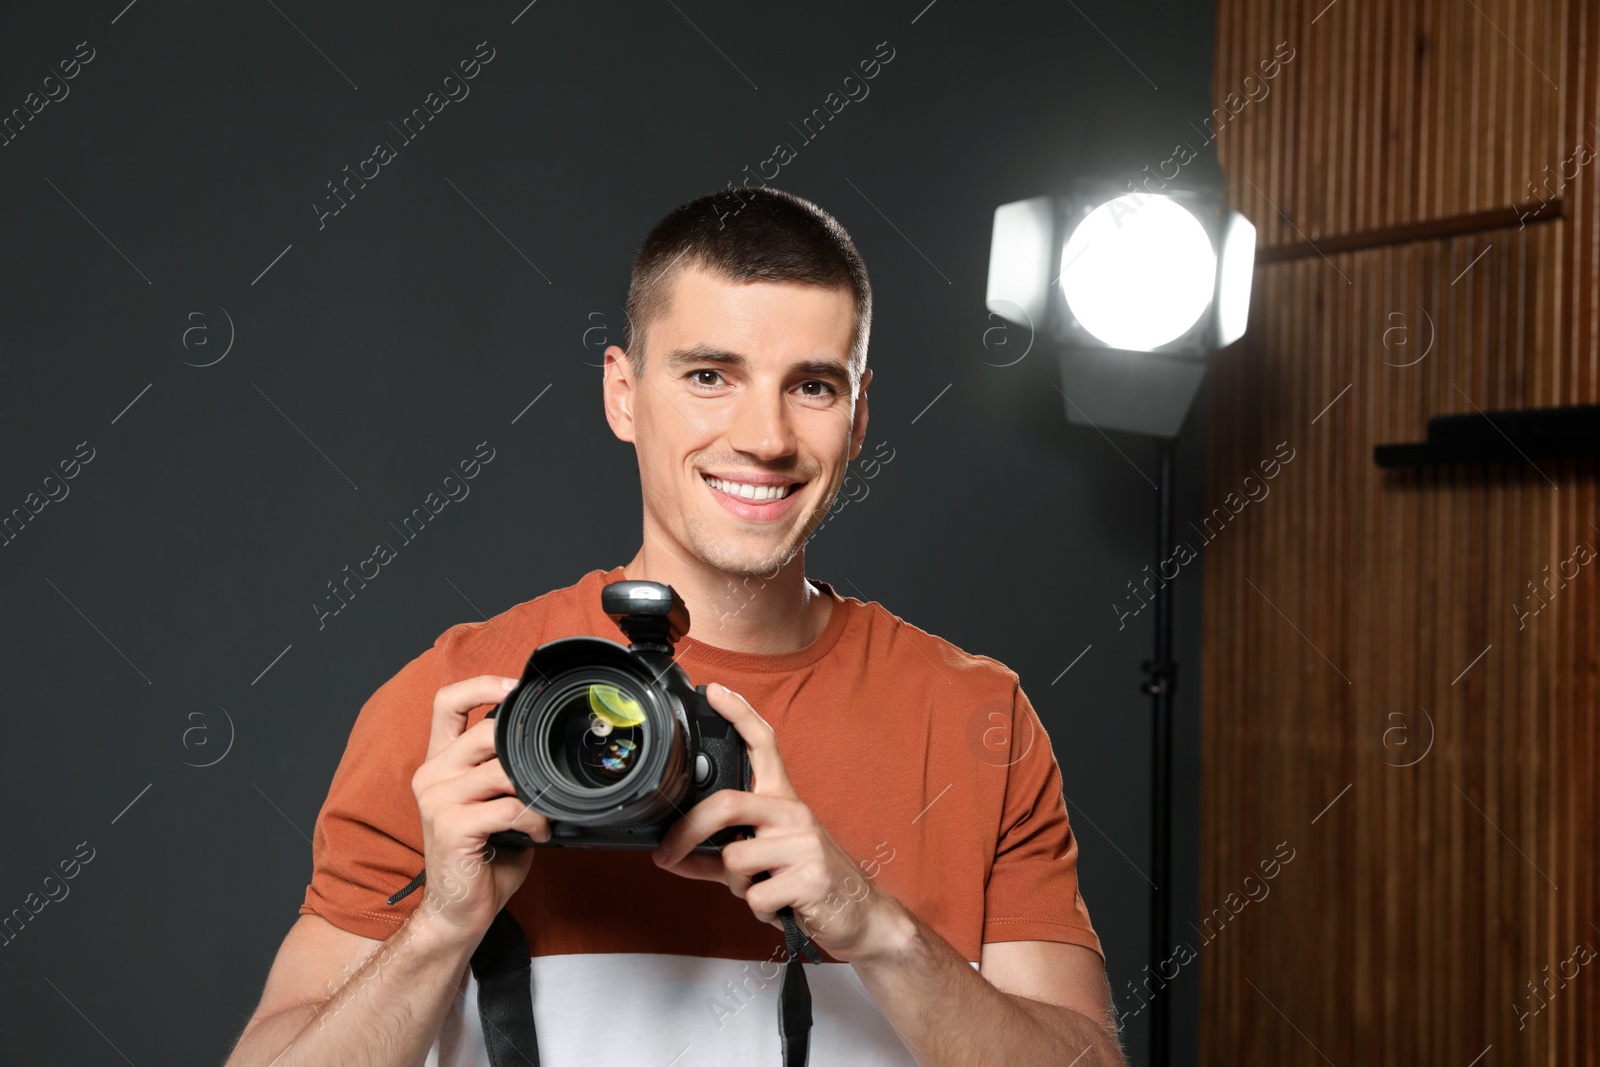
(1133, 289)
(1138, 275)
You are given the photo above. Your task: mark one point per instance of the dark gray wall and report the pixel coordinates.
(161, 612)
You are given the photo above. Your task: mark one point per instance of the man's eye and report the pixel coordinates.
(697, 378)
(821, 388)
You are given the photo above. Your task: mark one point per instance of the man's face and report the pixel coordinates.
(745, 418)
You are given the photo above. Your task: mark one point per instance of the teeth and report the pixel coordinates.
(750, 492)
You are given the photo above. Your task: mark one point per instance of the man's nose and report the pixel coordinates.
(761, 425)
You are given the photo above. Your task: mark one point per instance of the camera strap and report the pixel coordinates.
(504, 971)
(503, 967)
(794, 993)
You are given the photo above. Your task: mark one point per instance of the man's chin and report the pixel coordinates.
(751, 564)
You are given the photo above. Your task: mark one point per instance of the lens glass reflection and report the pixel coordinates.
(597, 735)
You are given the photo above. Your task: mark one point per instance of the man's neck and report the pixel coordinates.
(763, 614)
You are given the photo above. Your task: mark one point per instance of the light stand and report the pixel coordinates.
(1136, 289)
(1161, 678)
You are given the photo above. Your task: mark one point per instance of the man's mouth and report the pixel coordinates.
(751, 491)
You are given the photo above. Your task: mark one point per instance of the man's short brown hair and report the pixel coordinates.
(747, 235)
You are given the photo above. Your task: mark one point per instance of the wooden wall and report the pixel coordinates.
(1354, 616)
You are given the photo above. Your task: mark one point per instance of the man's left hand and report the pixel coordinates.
(837, 904)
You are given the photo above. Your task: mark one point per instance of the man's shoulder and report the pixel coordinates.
(478, 647)
(888, 637)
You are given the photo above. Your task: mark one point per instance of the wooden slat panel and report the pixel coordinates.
(1425, 898)
(1393, 112)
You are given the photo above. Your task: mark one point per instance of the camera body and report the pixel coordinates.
(613, 744)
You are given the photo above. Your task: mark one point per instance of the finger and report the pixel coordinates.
(772, 852)
(766, 897)
(451, 704)
(486, 781)
(766, 765)
(465, 752)
(722, 809)
(700, 866)
(792, 889)
(478, 821)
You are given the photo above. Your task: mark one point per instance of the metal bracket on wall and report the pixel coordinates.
(1501, 437)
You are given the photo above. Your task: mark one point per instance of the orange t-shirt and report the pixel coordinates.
(926, 764)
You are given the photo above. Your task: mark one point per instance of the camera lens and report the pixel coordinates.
(594, 739)
(597, 734)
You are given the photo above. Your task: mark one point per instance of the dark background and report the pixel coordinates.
(465, 281)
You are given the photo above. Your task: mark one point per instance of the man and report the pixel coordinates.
(905, 800)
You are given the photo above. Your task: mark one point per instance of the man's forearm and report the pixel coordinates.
(386, 1014)
(947, 1013)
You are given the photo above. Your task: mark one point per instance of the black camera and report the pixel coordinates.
(614, 744)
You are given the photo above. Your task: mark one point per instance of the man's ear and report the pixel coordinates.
(858, 428)
(618, 387)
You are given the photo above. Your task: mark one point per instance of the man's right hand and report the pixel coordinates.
(464, 795)
(392, 996)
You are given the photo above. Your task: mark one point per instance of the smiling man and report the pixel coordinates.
(905, 800)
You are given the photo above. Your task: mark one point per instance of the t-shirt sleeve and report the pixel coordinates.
(367, 843)
(1032, 893)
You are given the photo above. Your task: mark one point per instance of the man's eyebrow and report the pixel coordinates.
(683, 357)
(695, 354)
